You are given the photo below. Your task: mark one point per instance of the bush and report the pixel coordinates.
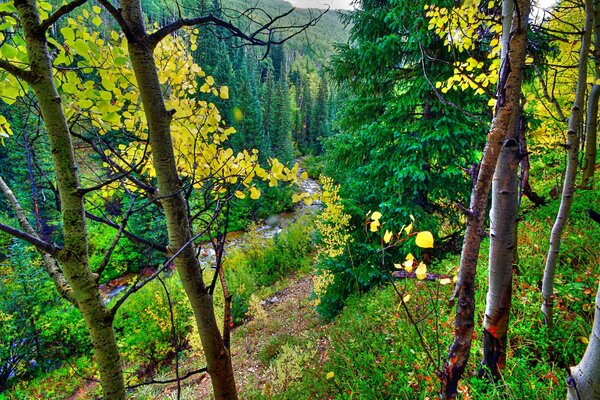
(143, 324)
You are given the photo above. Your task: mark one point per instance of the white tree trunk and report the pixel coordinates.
(584, 384)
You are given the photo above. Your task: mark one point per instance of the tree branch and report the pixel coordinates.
(37, 242)
(116, 13)
(251, 38)
(65, 9)
(140, 284)
(49, 263)
(20, 73)
(152, 381)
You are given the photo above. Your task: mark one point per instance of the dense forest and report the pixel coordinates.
(232, 199)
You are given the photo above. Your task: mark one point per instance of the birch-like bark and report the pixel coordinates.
(591, 137)
(507, 106)
(571, 171)
(74, 256)
(503, 216)
(584, 383)
(141, 54)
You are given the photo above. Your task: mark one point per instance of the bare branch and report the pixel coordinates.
(37, 242)
(20, 73)
(253, 38)
(152, 381)
(49, 263)
(116, 13)
(65, 9)
(547, 96)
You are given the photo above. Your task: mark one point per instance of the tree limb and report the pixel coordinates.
(20, 73)
(38, 243)
(65, 9)
(152, 381)
(116, 13)
(49, 263)
(251, 38)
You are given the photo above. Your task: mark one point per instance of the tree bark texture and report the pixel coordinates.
(74, 256)
(591, 137)
(507, 106)
(584, 383)
(174, 205)
(525, 166)
(568, 190)
(503, 215)
(591, 142)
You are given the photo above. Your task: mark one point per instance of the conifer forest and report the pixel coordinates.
(258, 199)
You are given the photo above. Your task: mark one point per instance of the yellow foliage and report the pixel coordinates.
(320, 285)
(256, 310)
(333, 223)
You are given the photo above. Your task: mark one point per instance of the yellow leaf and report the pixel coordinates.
(445, 281)
(408, 229)
(254, 193)
(424, 240)
(492, 103)
(374, 226)
(224, 92)
(239, 194)
(376, 216)
(584, 340)
(421, 271)
(410, 257)
(308, 201)
(304, 176)
(398, 266)
(406, 298)
(329, 375)
(408, 265)
(387, 237)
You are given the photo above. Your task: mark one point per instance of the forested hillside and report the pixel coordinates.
(245, 200)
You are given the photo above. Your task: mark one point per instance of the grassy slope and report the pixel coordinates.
(376, 354)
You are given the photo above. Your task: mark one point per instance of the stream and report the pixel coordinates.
(270, 227)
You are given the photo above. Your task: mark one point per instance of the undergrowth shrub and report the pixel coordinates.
(143, 324)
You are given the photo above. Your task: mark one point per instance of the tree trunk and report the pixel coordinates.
(174, 205)
(74, 256)
(571, 170)
(525, 167)
(584, 383)
(503, 215)
(509, 90)
(591, 143)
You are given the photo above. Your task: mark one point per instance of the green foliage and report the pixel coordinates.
(313, 165)
(273, 348)
(144, 328)
(400, 149)
(126, 257)
(39, 330)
